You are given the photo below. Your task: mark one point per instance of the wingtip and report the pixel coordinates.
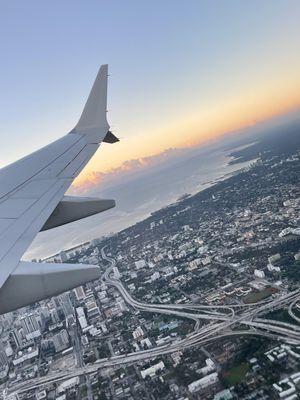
(93, 121)
(103, 70)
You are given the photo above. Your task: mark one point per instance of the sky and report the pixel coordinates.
(181, 73)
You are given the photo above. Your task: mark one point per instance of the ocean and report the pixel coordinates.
(139, 194)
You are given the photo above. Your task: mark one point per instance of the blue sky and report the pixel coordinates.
(172, 63)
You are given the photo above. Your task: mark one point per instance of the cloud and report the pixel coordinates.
(130, 168)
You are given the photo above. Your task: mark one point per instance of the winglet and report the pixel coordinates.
(93, 121)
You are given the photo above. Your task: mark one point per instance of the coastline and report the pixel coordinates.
(143, 216)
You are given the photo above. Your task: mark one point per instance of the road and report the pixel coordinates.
(77, 346)
(222, 320)
(245, 317)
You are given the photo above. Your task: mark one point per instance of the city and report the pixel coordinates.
(150, 200)
(198, 301)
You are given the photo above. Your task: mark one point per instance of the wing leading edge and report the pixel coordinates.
(32, 188)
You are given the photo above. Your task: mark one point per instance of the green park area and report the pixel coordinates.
(254, 297)
(236, 374)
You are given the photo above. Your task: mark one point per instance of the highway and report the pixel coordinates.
(291, 312)
(292, 332)
(223, 321)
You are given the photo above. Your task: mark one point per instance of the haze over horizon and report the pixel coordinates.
(149, 184)
(93, 180)
(138, 194)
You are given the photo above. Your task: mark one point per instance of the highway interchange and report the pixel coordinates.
(223, 322)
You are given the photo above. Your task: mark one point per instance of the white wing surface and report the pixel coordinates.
(32, 188)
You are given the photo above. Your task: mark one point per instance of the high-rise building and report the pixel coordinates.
(61, 340)
(81, 318)
(63, 256)
(3, 357)
(91, 308)
(55, 302)
(16, 338)
(55, 315)
(66, 304)
(44, 313)
(30, 326)
(79, 292)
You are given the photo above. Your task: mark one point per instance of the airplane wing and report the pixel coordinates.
(32, 199)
